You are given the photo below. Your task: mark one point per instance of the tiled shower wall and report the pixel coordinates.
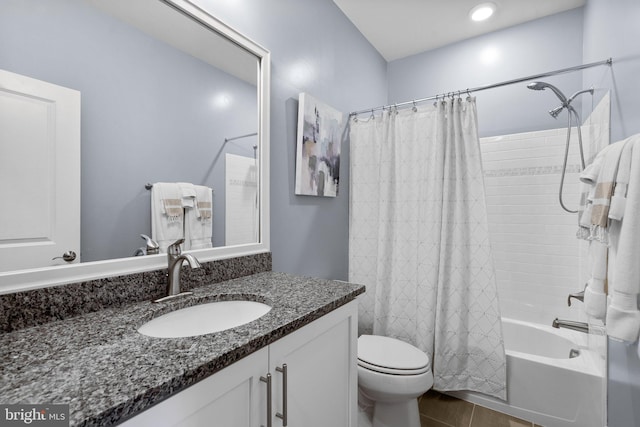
(538, 259)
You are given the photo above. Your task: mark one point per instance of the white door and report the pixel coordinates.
(39, 172)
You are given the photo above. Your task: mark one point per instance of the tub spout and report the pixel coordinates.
(570, 324)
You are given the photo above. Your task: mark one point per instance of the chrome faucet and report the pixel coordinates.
(176, 258)
(570, 324)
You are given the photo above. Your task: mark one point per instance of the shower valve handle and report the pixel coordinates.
(578, 295)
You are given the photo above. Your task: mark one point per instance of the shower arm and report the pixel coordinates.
(580, 92)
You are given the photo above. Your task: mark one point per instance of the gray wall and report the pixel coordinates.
(147, 114)
(611, 29)
(314, 49)
(532, 48)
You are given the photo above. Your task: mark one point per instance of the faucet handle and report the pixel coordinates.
(174, 248)
(578, 295)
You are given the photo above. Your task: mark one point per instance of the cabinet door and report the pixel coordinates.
(321, 372)
(233, 397)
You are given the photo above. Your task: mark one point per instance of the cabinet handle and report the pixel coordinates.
(283, 416)
(268, 381)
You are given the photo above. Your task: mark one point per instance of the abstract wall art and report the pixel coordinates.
(318, 148)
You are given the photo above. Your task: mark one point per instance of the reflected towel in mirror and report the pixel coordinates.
(167, 214)
(198, 228)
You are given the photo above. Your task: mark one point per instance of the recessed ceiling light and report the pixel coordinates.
(482, 11)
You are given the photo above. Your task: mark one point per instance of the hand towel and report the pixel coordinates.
(199, 220)
(588, 179)
(167, 214)
(623, 316)
(603, 191)
(619, 198)
(188, 194)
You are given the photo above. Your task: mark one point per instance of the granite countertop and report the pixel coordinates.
(107, 372)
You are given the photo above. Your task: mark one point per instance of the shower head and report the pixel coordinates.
(544, 85)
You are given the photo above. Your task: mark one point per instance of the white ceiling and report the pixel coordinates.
(400, 28)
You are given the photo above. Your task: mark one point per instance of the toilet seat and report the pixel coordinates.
(391, 356)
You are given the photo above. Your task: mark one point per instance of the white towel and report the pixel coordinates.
(199, 220)
(619, 198)
(188, 193)
(623, 317)
(588, 179)
(167, 214)
(595, 298)
(603, 191)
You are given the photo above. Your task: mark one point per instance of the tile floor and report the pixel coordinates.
(439, 410)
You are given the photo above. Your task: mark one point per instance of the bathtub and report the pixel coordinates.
(544, 384)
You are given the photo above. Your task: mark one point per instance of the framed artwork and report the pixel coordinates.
(318, 148)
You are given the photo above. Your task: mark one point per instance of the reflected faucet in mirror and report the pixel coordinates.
(176, 258)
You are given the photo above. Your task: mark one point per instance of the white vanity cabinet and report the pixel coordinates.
(322, 375)
(233, 397)
(321, 383)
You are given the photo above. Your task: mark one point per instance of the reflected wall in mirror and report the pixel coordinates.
(164, 89)
(163, 98)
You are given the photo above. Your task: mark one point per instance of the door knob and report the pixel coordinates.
(68, 256)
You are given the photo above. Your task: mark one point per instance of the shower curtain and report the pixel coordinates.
(419, 241)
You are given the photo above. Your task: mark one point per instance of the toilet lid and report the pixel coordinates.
(389, 355)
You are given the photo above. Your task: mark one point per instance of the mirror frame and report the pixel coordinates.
(20, 280)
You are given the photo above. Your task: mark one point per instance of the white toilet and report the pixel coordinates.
(391, 376)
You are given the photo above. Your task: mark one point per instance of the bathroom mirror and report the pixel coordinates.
(168, 93)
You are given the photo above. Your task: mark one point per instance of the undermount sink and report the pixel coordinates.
(204, 319)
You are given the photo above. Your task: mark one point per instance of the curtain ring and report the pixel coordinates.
(373, 117)
(415, 108)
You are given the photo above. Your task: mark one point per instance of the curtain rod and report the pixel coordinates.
(240, 137)
(491, 86)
